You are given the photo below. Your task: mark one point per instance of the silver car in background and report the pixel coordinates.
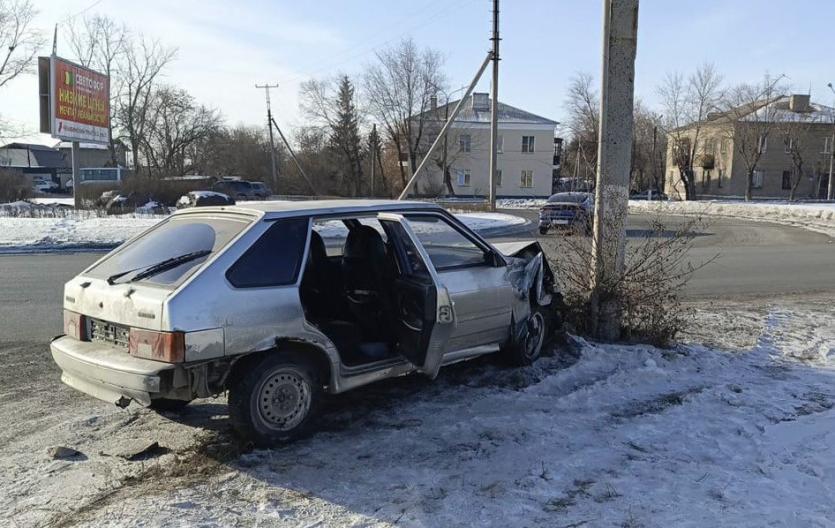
(277, 302)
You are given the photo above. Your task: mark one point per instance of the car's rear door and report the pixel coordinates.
(424, 311)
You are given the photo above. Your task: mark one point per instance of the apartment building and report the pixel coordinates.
(797, 130)
(527, 158)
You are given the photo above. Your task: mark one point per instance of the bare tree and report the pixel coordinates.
(687, 104)
(333, 106)
(99, 43)
(19, 39)
(399, 87)
(751, 111)
(175, 126)
(648, 149)
(142, 62)
(583, 107)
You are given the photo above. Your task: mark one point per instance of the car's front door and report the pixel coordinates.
(477, 283)
(424, 311)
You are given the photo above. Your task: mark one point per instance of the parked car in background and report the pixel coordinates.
(567, 210)
(237, 189)
(203, 199)
(648, 195)
(279, 302)
(262, 190)
(45, 186)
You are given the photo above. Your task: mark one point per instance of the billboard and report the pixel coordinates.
(75, 101)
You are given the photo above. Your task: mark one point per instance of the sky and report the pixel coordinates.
(226, 47)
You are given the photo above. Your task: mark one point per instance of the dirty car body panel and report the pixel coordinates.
(225, 307)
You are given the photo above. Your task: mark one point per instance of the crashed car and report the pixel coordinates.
(279, 302)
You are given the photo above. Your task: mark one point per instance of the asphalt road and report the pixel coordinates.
(752, 259)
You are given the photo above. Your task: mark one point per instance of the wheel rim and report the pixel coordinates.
(284, 399)
(536, 334)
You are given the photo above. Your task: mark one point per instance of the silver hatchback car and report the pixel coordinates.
(277, 302)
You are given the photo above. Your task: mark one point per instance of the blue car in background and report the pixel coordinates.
(566, 210)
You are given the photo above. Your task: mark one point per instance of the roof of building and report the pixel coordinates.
(31, 155)
(778, 111)
(506, 113)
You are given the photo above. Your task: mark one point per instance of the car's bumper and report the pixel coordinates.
(110, 374)
(558, 221)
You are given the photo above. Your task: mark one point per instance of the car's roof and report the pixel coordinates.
(316, 207)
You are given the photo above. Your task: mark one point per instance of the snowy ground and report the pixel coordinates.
(741, 433)
(815, 216)
(44, 227)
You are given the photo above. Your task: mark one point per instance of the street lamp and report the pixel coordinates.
(830, 190)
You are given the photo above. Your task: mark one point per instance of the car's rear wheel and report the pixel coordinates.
(274, 399)
(528, 348)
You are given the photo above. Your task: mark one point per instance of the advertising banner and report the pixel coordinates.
(79, 100)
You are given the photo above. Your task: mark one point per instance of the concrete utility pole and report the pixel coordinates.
(266, 88)
(494, 110)
(620, 36)
(830, 190)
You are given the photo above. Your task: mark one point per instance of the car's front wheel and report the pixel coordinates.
(543, 230)
(274, 399)
(528, 347)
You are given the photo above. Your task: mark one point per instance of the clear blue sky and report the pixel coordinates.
(225, 47)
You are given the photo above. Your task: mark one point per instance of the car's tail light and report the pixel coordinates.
(159, 346)
(74, 325)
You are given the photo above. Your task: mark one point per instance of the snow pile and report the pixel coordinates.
(818, 216)
(521, 203)
(597, 436)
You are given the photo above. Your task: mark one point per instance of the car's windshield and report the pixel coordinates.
(179, 235)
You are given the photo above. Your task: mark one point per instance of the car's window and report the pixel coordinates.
(413, 265)
(447, 247)
(179, 235)
(334, 231)
(274, 259)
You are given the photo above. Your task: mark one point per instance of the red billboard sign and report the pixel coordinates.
(79, 102)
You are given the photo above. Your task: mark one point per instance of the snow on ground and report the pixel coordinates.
(54, 200)
(56, 228)
(815, 216)
(592, 436)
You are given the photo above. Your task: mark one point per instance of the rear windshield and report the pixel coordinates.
(179, 235)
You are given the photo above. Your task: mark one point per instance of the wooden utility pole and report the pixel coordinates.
(266, 88)
(620, 36)
(494, 109)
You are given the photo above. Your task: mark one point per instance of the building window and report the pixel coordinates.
(762, 144)
(500, 143)
(526, 181)
(723, 146)
(528, 143)
(463, 177)
(498, 177)
(790, 144)
(719, 176)
(759, 177)
(827, 145)
(787, 180)
(464, 143)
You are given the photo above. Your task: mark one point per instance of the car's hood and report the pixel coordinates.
(512, 249)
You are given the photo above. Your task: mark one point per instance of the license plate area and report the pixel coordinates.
(102, 331)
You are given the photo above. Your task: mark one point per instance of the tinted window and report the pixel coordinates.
(446, 246)
(274, 259)
(171, 238)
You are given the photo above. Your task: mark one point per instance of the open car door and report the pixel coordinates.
(425, 316)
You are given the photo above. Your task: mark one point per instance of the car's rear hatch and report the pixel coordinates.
(128, 288)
